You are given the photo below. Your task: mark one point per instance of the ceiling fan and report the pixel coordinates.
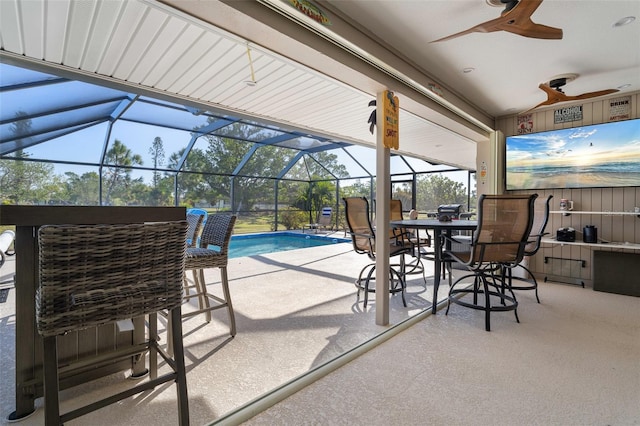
(554, 92)
(516, 19)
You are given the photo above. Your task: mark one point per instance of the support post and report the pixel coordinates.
(383, 195)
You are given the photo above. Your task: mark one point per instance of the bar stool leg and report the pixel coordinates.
(227, 298)
(50, 372)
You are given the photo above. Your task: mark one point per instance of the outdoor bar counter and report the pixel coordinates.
(77, 350)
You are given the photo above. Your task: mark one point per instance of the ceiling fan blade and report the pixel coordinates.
(532, 30)
(594, 94)
(481, 28)
(539, 105)
(550, 91)
(523, 10)
(555, 96)
(516, 21)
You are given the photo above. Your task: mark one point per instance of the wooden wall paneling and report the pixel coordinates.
(600, 111)
(587, 114)
(607, 206)
(617, 221)
(629, 223)
(596, 203)
(610, 227)
(636, 219)
(580, 219)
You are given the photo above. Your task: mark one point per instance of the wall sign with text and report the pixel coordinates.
(525, 124)
(620, 108)
(391, 136)
(565, 115)
(311, 10)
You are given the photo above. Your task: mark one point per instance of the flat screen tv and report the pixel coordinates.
(596, 156)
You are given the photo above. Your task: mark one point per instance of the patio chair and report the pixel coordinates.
(363, 238)
(410, 238)
(540, 219)
(6, 239)
(325, 221)
(195, 220)
(498, 243)
(212, 253)
(92, 275)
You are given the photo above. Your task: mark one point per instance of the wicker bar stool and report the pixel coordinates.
(92, 275)
(194, 222)
(194, 230)
(212, 253)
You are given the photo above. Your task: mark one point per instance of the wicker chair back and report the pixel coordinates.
(94, 274)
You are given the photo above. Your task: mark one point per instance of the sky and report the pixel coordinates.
(71, 103)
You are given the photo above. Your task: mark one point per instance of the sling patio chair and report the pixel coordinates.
(498, 243)
(363, 238)
(540, 220)
(411, 238)
(325, 220)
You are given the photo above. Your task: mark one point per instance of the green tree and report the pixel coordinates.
(83, 190)
(436, 189)
(192, 187)
(226, 154)
(118, 179)
(314, 197)
(157, 156)
(23, 181)
(360, 188)
(319, 165)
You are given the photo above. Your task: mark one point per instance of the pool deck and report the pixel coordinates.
(295, 310)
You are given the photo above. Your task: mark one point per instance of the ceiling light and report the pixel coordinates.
(624, 86)
(468, 70)
(624, 21)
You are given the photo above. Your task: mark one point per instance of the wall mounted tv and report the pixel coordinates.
(596, 156)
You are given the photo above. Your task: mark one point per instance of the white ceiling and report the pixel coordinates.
(146, 47)
(198, 55)
(508, 68)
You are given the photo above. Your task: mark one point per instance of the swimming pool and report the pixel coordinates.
(254, 244)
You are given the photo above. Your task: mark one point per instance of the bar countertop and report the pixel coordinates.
(23, 215)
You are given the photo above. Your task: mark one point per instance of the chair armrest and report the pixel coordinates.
(400, 235)
(355, 234)
(452, 239)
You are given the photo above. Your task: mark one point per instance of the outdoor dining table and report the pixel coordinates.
(438, 228)
(77, 349)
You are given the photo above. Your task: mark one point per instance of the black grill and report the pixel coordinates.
(452, 211)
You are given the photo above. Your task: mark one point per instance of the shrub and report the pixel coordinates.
(292, 218)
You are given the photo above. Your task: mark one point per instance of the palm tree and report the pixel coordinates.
(118, 178)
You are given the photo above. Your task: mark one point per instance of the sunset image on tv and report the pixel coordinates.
(602, 155)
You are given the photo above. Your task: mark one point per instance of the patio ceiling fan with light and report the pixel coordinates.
(553, 89)
(516, 19)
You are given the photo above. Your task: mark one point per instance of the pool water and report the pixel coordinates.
(254, 244)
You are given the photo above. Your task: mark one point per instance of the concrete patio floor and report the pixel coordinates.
(295, 310)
